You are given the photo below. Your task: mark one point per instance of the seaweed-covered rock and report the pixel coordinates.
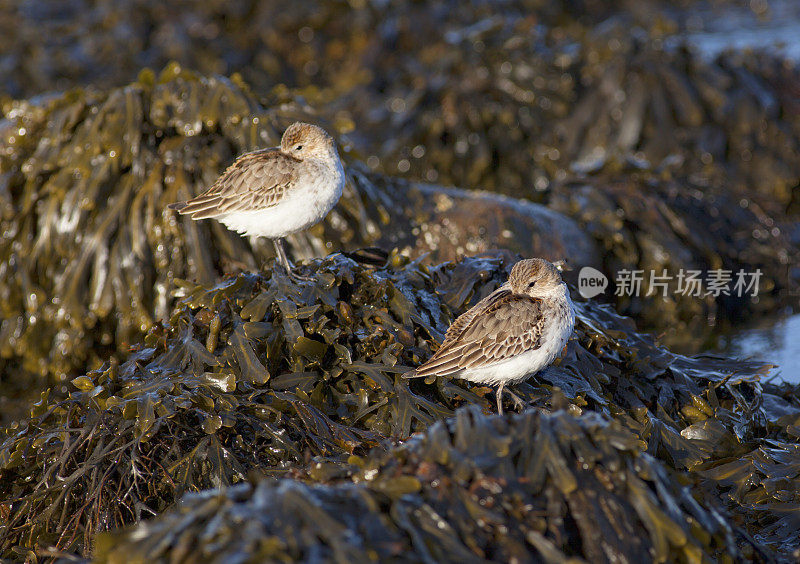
(257, 373)
(517, 101)
(447, 223)
(90, 252)
(535, 111)
(534, 487)
(106, 42)
(665, 226)
(90, 255)
(666, 160)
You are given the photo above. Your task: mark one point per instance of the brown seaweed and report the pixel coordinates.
(259, 374)
(527, 103)
(145, 395)
(535, 487)
(92, 253)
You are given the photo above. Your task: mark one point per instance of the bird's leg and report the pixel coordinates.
(500, 398)
(285, 263)
(519, 403)
(281, 252)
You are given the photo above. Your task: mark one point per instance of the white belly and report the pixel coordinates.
(528, 363)
(301, 208)
(509, 371)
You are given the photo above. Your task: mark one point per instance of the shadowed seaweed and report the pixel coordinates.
(258, 373)
(532, 102)
(664, 159)
(90, 251)
(535, 487)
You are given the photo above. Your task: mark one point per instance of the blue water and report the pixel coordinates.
(778, 344)
(772, 25)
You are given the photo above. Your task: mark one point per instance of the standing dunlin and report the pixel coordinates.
(509, 335)
(277, 191)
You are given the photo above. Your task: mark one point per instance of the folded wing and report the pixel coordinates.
(255, 181)
(493, 331)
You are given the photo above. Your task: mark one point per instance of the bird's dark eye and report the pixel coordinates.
(298, 147)
(531, 284)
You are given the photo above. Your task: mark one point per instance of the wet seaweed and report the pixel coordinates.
(643, 142)
(305, 44)
(529, 103)
(257, 374)
(91, 255)
(663, 159)
(91, 252)
(535, 487)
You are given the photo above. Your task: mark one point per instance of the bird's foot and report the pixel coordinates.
(297, 278)
(286, 264)
(279, 270)
(519, 403)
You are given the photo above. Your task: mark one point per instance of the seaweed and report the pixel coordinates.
(258, 374)
(533, 487)
(532, 102)
(91, 252)
(242, 390)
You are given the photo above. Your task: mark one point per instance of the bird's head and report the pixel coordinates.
(303, 140)
(536, 278)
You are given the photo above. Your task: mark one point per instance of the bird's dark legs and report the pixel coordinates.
(285, 263)
(500, 398)
(281, 252)
(519, 403)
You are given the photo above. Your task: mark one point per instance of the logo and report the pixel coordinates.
(591, 282)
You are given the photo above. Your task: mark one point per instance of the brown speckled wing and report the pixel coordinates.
(461, 322)
(254, 181)
(492, 331)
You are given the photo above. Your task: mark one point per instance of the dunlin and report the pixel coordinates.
(277, 191)
(511, 334)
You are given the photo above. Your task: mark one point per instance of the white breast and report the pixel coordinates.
(556, 334)
(306, 204)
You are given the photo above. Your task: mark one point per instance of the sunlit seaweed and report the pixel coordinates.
(258, 374)
(90, 251)
(91, 254)
(665, 160)
(528, 102)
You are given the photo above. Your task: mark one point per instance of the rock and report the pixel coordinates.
(449, 223)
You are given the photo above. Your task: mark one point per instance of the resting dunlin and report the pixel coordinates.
(509, 335)
(277, 191)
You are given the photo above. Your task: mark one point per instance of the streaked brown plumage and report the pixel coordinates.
(277, 191)
(255, 180)
(515, 331)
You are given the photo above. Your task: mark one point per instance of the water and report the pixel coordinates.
(773, 26)
(778, 344)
